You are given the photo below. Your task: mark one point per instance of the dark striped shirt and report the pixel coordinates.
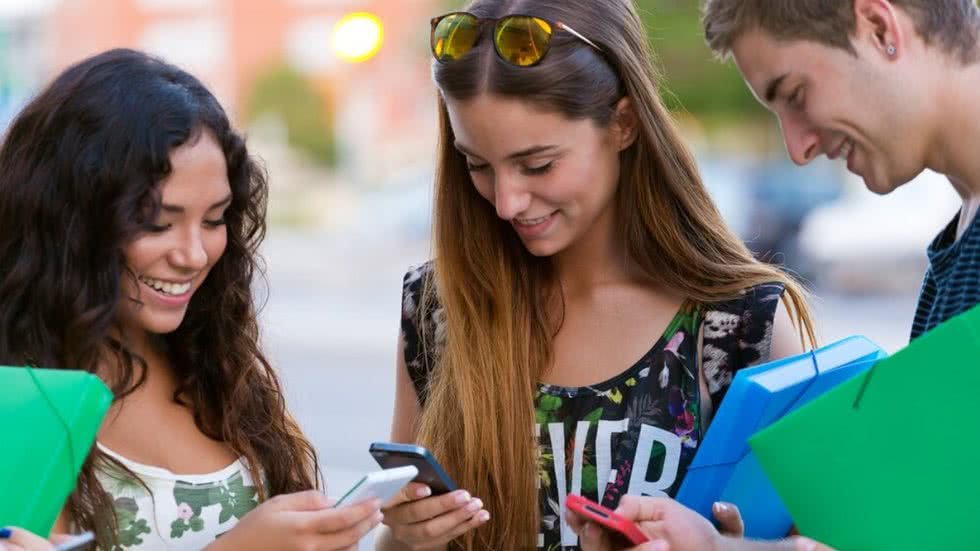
(952, 284)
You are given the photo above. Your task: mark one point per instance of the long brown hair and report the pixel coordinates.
(479, 412)
(79, 170)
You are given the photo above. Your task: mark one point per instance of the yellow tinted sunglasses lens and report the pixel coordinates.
(522, 40)
(453, 36)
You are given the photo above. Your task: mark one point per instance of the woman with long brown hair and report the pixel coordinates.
(130, 218)
(586, 306)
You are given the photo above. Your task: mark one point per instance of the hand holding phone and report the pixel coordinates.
(620, 527)
(427, 519)
(382, 485)
(430, 472)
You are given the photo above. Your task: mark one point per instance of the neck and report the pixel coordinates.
(956, 149)
(597, 258)
(968, 215)
(149, 348)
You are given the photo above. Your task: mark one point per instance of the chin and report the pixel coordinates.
(878, 189)
(161, 325)
(882, 185)
(884, 181)
(542, 249)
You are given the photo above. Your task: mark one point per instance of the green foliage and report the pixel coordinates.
(692, 79)
(283, 92)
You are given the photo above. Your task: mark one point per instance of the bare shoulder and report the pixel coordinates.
(786, 339)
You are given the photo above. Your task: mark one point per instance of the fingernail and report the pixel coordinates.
(463, 497)
(721, 507)
(484, 516)
(424, 491)
(379, 517)
(474, 506)
(659, 545)
(808, 545)
(5, 533)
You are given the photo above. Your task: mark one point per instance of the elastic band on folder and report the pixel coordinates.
(864, 386)
(57, 413)
(816, 373)
(867, 380)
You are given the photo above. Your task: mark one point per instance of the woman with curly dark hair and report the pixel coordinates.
(130, 218)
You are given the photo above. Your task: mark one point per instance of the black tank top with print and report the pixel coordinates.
(635, 433)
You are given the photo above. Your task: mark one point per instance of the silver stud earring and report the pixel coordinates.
(892, 50)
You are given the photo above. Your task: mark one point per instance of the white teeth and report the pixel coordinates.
(165, 287)
(845, 150)
(531, 221)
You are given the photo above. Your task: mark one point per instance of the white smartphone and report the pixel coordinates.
(383, 484)
(75, 543)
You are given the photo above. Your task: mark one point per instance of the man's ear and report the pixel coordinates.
(625, 124)
(877, 22)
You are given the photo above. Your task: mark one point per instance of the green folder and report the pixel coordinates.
(891, 459)
(49, 419)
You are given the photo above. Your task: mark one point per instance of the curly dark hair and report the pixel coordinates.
(80, 168)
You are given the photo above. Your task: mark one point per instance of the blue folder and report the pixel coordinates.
(725, 468)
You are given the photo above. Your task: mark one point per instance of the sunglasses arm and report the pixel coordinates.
(578, 35)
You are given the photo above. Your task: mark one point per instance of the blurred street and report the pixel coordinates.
(330, 326)
(331, 322)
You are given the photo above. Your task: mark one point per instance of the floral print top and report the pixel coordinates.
(636, 433)
(180, 512)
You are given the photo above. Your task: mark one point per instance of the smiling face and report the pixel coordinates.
(187, 239)
(552, 178)
(862, 110)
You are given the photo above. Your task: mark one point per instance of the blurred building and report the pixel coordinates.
(379, 108)
(23, 59)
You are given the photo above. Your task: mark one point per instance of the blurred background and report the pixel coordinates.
(336, 99)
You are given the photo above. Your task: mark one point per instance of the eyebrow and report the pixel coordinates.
(535, 150)
(177, 209)
(773, 88)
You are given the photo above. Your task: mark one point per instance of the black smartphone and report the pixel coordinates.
(431, 474)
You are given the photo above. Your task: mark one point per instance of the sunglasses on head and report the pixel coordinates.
(521, 40)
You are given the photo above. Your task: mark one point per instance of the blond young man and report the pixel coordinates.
(888, 87)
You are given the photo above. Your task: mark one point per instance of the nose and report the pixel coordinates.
(510, 196)
(190, 253)
(801, 137)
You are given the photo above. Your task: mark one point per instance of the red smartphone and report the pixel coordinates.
(619, 526)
